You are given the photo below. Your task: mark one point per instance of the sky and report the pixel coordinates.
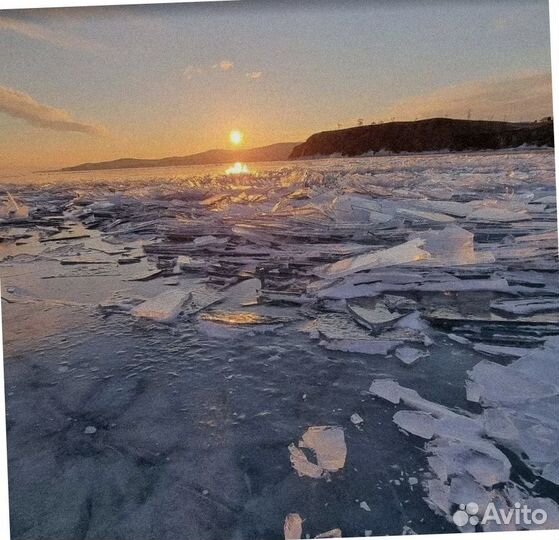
(92, 84)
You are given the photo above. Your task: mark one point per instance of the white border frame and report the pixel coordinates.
(4, 500)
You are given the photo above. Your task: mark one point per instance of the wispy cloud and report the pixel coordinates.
(224, 65)
(522, 96)
(23, 106)
(192, 71)
(254, 75)
(41, 33)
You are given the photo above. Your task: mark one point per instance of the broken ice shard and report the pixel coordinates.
(375, 317)
(293, 527)
(163, 307)
(409, 355)
(452, 246)
(328, 446)
(402, 254)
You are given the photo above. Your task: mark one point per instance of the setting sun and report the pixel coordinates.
(236, 137)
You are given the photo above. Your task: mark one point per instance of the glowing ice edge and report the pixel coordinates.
(238, 168)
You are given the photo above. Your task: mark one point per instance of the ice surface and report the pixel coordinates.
(163, 307)
(499, 426)
(551, 472)
(457, 253)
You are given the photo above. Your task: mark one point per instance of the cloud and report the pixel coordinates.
(254, 75)
(40, 33)
(224, 65)
(523, 96)
(23, 106)
(192, 71)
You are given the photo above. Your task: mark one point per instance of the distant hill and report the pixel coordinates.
(273, 152)
(426, 135)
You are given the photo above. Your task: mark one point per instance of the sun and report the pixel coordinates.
(236, 137)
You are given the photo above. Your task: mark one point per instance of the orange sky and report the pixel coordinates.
(93, 84)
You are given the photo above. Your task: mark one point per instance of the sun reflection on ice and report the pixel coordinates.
(238, 168)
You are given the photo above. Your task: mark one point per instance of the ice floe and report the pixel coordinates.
(163, 307)
(327, 444)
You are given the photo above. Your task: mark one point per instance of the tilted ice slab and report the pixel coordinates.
(168, 305)
(452, 246)
(422, 215)
(451, 208)
(527, 306)
(348, 291)
(402, 254)
(12, 209)
(500, 350)
(503, 385)
(498, 215)
(163, 307)
(354, 208)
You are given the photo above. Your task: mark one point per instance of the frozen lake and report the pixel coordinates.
(170, 335)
